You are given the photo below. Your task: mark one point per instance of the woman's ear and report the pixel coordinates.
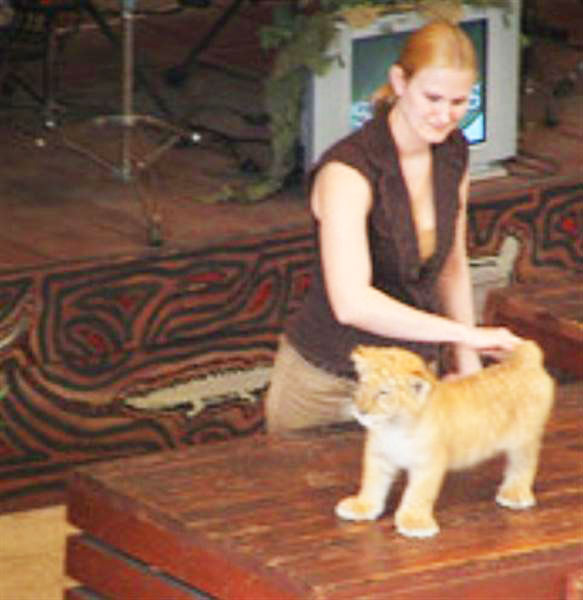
(397, 79)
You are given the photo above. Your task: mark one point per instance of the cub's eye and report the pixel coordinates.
(387, 389)
(419, 385)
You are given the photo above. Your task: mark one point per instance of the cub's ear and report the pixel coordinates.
(421, 388)
(359, 361)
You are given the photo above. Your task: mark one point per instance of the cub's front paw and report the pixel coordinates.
(355, 509)
(415, 525)
(517, 499)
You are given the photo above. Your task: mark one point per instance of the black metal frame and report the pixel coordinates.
(177, 75)
(33, 35)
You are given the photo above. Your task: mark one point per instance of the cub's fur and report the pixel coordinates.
(426, 426)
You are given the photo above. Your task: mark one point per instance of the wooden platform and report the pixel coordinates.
(550, 313)
(254, 519)
(109, 317)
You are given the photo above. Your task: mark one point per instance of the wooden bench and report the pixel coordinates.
(550, 313)
(254, 519)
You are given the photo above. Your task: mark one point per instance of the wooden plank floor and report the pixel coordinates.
(57, 205)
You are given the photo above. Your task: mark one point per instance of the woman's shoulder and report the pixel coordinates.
(339, 179)
(359, 150)
(347, 149)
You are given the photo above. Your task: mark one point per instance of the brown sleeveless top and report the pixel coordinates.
(398, 268)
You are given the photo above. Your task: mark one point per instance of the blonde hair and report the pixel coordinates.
(439, 43)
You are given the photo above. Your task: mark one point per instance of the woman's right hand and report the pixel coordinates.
(492, 341)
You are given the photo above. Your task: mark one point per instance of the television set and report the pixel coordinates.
(337, 102)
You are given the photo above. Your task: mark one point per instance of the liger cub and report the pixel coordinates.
(426, 426)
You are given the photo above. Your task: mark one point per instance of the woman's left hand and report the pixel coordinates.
(467, 361)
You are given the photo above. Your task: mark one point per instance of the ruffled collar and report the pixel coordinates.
(394, 194)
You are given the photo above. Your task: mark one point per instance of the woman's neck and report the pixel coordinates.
(408, 142)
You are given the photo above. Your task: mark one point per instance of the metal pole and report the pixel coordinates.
(127, 88)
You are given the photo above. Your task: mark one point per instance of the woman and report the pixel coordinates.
(389, 203)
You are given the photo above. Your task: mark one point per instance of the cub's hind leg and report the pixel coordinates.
(378, 474)
(516, 488)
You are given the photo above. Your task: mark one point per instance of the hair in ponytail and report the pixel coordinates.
(439, 43)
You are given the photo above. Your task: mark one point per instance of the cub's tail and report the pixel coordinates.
(529, 352)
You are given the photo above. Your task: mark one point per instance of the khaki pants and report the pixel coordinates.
(301, 395)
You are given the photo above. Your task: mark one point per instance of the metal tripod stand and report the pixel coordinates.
(128, 122)
(129, 125)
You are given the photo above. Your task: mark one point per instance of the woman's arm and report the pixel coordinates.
(455, 286)
(341, 200)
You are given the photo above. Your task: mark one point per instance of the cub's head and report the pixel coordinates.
(393, 384)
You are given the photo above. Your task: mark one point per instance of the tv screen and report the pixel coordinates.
(337, 101)
(371, 57)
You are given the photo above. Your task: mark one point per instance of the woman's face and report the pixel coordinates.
(434, 100)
